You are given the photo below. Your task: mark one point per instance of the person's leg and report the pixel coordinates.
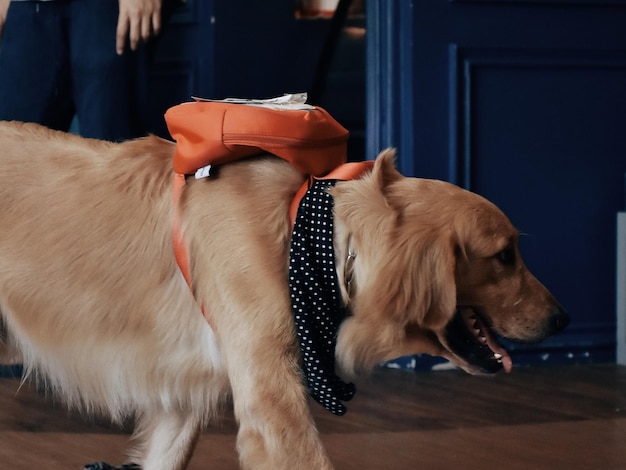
(103, 83)
(34, 73)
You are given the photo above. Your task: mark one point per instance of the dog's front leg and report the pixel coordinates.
(276, 430)
(166, 439)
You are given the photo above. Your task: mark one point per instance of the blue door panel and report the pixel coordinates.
(542, 151)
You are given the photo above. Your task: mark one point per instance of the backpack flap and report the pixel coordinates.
(215, 133)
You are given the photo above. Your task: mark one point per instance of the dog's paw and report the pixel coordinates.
(106, 466)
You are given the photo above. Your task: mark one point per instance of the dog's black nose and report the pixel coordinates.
(558, 321)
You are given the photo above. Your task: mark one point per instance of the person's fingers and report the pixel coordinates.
(156, 22)
(121, 34)
(4, 8)
(135, 32)
(138, 21)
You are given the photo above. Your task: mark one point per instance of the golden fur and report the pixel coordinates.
(92, 297)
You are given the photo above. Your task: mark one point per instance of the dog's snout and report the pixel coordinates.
(558, 321)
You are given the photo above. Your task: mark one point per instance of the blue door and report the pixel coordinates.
(523, 102)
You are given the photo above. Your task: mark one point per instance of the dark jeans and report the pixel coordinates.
(58, 59)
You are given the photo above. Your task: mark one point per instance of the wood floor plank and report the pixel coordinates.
(552, 418)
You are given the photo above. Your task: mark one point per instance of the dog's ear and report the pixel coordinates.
(356, 201)
(385, 171)
(439, 273)
(407, 294)
(424, 290)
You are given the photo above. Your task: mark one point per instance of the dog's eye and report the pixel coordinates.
(506, 257)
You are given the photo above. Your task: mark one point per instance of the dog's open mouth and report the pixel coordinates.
(469, 337)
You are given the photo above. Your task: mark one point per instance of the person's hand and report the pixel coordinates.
(138, 21)
(4, 7)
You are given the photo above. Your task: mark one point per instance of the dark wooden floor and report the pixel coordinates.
(566, 417)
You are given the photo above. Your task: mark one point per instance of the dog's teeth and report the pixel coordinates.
(498, 356)
(482, 339)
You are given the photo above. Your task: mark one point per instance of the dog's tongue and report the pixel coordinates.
(485, 336)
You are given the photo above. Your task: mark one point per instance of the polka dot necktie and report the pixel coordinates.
(316, 297)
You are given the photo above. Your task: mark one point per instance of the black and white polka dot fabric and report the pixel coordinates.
(315, 297)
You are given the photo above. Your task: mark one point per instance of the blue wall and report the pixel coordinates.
(525, 103)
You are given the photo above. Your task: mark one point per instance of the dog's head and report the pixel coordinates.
(437, 271)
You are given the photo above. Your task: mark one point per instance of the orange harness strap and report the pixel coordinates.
(345, 172)
(180, 249)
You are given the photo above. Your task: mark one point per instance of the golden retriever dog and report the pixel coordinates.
(92, 297)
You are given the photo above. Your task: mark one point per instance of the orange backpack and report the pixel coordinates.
(214, 133)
